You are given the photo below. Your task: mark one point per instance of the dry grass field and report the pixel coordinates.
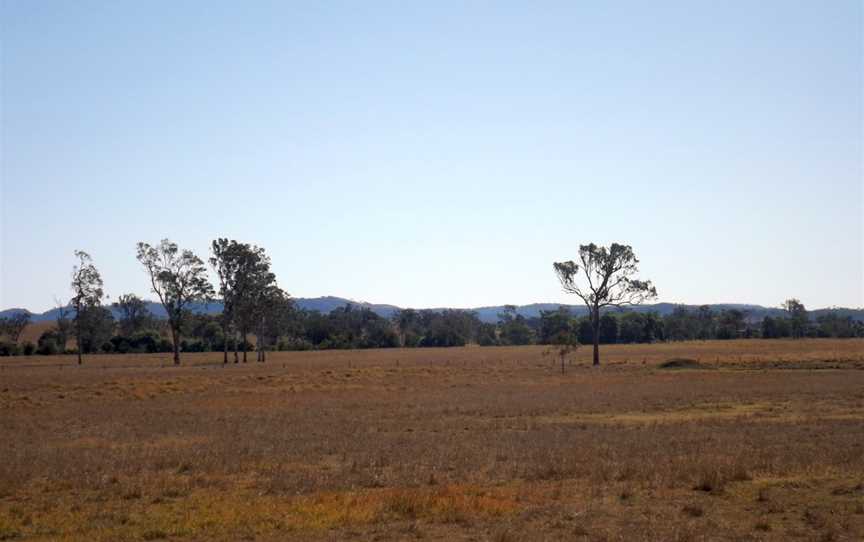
(751, 440)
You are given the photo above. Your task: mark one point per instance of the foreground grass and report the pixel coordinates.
(815, 508)
(449, 444)
(248, 514)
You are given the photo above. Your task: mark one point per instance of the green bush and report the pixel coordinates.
(47, 347)
(165, 346)
(294, 344)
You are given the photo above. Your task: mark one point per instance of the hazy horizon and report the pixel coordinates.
(440, 154)
(571, 301)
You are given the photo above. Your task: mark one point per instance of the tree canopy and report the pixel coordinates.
(178, 278)
(604, 277)
(86, 295)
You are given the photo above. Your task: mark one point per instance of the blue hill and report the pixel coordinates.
(486, 314)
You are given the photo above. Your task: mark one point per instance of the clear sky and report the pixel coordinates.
(438, 153)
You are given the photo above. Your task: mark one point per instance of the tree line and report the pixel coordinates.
(255, 307)
(136, 330)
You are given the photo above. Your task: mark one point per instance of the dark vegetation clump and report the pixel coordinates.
(681, 363)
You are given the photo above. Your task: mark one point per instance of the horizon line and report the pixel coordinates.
(477, 307)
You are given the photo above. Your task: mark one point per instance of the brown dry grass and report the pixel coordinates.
(765, 441)
(35, 330)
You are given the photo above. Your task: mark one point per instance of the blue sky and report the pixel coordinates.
(438, 153)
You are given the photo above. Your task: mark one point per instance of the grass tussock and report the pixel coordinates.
(682, 363)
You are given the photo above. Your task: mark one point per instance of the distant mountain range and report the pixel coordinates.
(486, 314)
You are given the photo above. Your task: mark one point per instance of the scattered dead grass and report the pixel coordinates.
(449, 444)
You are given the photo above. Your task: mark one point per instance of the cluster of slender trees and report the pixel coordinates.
(253, 305)
(252, 300)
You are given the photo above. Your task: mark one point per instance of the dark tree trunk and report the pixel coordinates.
(245, 342)
(175, 339)
(595, 326)
(78, 334)
(259, 343)
(236, 357)
(224, 345)
(260, 347)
